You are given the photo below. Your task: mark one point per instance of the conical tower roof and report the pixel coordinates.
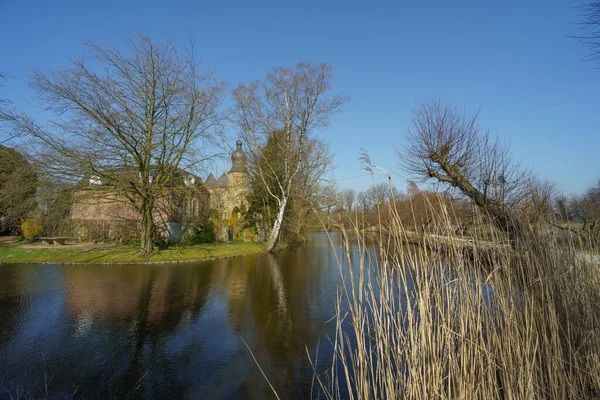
(223, 180)
(210, 180)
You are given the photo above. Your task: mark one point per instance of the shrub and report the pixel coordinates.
(31, 227)
(18, 185)
(236, 225)
(250, 235)
(203, 232)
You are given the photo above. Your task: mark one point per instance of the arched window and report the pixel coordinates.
(185, 207)
(195, 207)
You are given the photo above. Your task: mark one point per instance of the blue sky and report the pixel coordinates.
(513, 59)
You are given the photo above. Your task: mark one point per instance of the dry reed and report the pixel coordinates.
(449, 318)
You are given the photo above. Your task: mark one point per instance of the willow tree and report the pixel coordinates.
(449, 146)
(129, 119)
(294, 103)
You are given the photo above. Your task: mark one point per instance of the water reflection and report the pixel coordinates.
(169, 331)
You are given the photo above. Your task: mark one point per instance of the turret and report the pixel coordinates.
(239, 160)
(238, 181)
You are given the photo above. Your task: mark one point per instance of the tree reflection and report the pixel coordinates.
(173, 331)
(274, 315)
(147, 302)
(12, 305)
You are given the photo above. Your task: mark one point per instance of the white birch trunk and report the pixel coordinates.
(277, 226)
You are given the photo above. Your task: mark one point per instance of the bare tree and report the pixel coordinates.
(379, 195)
(348, 199)
(448, 146)
(294, 102)
(384, 193)
(412, 189)
(590, 27)
(327, 201)
(305, 196)
(314, 174)
(591, 201)
(540, 196)
(590, 209)
(131, 121)
(7, 132)
(3, 77)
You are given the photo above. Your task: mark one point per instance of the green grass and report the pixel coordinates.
(10, 253)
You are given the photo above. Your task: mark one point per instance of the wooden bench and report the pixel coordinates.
(58, 240)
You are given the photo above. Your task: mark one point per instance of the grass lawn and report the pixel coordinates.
(13, 253)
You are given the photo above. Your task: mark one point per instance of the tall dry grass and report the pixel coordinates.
(452, 318)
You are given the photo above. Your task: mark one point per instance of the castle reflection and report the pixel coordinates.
(174, 331)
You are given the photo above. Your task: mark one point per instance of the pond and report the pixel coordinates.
(170, 331)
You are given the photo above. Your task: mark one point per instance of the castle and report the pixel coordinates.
(98, 212)
(231, 189)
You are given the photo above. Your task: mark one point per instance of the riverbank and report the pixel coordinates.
(112, 253)
(452, 242)
(438, 241)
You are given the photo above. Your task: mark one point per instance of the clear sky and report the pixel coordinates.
(513, 59)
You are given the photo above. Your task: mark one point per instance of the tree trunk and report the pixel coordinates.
(277, 226)
(502, 219)
(147, 228)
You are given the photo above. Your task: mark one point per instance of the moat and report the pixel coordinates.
(170, 331)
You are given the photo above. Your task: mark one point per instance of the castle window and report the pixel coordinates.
(185, 206)
(189, 181)
(195, 207)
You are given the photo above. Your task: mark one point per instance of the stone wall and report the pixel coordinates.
(102, 214)
(102, 211)
(101, 205)
(237, 190)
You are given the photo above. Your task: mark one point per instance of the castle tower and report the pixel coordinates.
(238, 180)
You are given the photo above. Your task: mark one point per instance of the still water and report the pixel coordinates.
(169, 331)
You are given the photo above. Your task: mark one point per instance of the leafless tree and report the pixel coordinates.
(412, 189)
(314, 171)
(7, 133)
(590, 28)
(292, 101)
(590, 210)
(3, 77)
(131, 120)
(379, 195)
(327, 201)
(449, 146)
(540, 196)
(347, 198)
(364, 201)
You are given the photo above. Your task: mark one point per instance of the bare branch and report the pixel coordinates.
(133, 119)
(281, 113)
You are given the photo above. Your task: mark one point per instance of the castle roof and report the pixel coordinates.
(210, 180)
(239, 160)
(114, 176)
(223, 180)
